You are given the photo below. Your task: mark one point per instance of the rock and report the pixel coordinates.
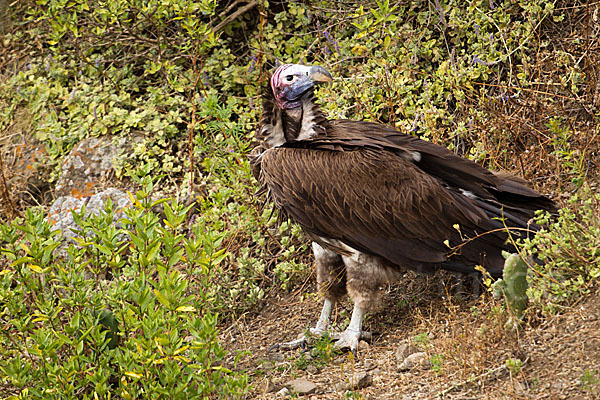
(269, 386)
(267, 365)
(61, 217)
(414, 360)
(283, 393)
(363, 346)
(301, 386)
(369, 365)
(275, 357)
(357, 381)
(312, 369)
(28, 172)
(341, 359)
(87, 165)
(405, 349)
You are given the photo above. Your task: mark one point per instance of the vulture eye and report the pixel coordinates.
(289, 78)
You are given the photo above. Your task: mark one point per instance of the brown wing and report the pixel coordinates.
(506, 189)
(380, 203)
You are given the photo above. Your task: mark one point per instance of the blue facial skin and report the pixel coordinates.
(289, 95)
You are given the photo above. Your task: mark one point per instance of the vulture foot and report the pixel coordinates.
(303, 340)
(349, 340)
(343, 340)
(353, 333)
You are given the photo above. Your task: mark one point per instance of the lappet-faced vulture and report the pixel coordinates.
(376, 201)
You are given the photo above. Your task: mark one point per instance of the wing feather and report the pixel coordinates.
(371, 200)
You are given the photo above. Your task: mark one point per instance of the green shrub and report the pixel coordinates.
(570, 252)
(126, 313)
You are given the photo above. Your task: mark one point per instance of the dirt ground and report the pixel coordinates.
(463, 336)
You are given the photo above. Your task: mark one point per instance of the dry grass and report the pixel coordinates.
(468, 335)
(517, 134)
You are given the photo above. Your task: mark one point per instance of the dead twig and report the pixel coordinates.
(489, 374)
(240, 11)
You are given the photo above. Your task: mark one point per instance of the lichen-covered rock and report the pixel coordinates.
(86, 167)
(61, 217)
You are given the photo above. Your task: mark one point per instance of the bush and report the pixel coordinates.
(126, 313)
(570, 252)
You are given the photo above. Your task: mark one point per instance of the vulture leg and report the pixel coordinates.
(323, 322)
(353, 333)
(331, 279)
(332, 283)
(319, 330)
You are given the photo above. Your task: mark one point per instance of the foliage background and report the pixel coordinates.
(510, 84)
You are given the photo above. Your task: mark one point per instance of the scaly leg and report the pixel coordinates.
(323, 322)
(319, 330)
(353, 333)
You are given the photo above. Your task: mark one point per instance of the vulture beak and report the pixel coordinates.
(318, 74)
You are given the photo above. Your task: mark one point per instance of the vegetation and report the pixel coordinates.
(150, 331)
(133, 310)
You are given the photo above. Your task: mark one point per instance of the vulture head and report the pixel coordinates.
(291, 81)
(289, 111)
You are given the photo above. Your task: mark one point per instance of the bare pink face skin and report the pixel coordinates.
(276, 79)
(291, 81)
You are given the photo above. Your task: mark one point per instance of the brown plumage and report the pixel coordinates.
(376, 201)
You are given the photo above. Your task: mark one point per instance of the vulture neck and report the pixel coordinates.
(305, 122)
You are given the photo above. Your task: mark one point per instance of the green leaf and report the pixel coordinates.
(163, 300)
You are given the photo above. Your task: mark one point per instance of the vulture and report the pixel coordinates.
(376, 202)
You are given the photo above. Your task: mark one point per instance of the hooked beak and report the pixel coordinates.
(318, 74)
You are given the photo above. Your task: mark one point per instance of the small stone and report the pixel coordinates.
(357, 381)
(311, 369)
(405, 349)
(269, 386)
(283, 393)
(369, 365)
(302, 386)
(341, 359)
(414, 360)
(267, 365)
(363, 346)
(276, 357)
